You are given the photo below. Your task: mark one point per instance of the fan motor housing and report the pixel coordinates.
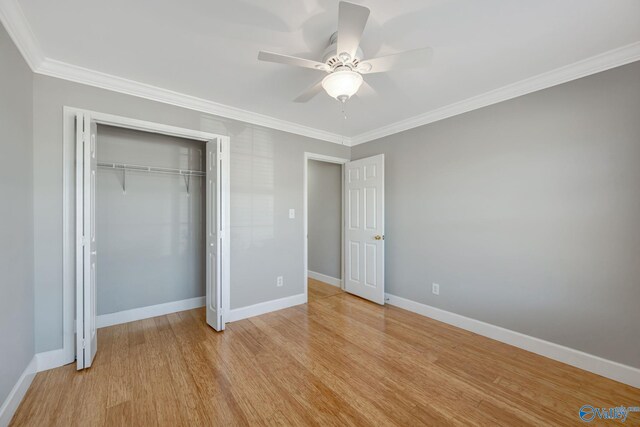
(330, 55)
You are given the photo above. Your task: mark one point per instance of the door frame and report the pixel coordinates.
(305, 214)
(68, 352)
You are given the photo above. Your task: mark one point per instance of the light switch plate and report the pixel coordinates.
(292, 213)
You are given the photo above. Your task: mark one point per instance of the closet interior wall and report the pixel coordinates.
(150, 225)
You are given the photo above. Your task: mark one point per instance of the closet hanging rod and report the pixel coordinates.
(152, 169)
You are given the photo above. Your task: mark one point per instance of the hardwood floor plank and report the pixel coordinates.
(318, 290)
(338, 360)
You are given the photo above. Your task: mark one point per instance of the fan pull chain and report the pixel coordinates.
(344, 115)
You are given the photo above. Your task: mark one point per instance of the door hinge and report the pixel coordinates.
(83, 344)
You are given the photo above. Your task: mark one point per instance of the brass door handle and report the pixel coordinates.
(378, 237)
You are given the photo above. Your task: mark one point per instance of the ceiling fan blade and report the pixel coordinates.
(408, 59)
(291, 60)
(366, 91)
(352, 19)
(309, 93)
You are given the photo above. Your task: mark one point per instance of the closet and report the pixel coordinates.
(152, 209)
(150, 212)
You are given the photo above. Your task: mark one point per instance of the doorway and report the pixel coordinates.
(324, 217)
(209, 162)
(362, 224)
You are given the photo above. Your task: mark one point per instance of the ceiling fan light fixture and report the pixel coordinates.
(342, 84)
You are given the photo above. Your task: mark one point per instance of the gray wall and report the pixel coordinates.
(325, 216)
(527, 213)
(266, 181)
(151, 239)
(16, 215)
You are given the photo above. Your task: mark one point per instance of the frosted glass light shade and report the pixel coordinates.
(341, 85)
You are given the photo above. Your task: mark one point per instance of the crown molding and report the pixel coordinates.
(17, 26)
(74, 73)
(595, 64)
(14, 20)
(19, 30)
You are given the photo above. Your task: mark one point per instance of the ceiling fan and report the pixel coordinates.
(343, 58)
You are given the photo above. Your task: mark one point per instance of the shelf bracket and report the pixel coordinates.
(124, 180)
(187, 182)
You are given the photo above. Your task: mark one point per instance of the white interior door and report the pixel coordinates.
(86, 254)
(215, 234)
(364, 228)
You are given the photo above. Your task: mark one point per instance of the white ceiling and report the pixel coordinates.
(208, 48)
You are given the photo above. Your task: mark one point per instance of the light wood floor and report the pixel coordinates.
(338, 360)
(319, 290)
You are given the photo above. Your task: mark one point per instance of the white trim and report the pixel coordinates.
(52, 359)
(265, 307)
(74, 73)
(140, 313)
(11, 403)
(588, 362)
(305, 211)
(146, 126)
(595, 64)
(325, 279)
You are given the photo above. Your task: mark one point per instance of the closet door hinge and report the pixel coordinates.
(83, 344)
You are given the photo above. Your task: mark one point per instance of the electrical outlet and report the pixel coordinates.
(292, 213)
(279, 281)
(435, 288)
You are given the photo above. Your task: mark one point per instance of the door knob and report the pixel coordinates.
(378, 237)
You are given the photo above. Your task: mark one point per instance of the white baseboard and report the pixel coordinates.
(324, 278)
(11, 403)
(52, 359)
(149, 311)
(265, 307)
(588, 362)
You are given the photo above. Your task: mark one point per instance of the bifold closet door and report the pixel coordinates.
(214, 230)
(86, 252)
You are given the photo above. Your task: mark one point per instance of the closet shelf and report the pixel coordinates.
(152, 169)
(185, 173)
